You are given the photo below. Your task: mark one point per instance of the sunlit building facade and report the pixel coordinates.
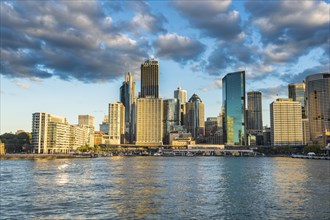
(87, 121)
(318, 107)
(116, 123)
(286, 123)
(233, 97)
(149, 121)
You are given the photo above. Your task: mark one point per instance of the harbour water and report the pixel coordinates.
(165, 188)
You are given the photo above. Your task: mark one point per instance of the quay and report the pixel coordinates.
(41, 156)
(310, 157)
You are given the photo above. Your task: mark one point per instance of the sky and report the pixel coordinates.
(69, 58)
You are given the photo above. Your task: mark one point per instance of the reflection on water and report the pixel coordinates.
(165, 188)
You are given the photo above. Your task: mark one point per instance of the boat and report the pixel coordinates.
(158, 154)
(190, 154)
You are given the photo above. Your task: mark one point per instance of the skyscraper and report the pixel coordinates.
(171, 115)
(233, 98)
(286, 123)
(318, 107)
(149, 121)
(181, 95)
(116, 123)
(127, 97)
(149, 79)
(254, 113)
(296, 92)
(195, 122)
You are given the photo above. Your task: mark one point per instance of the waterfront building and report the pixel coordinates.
(87, 121)
(98, 138)
(149, 121)
(296, 92)
(50, 133)
(181, 95)
(104, 127)
(171, 116)
(116, 123)
(127, 97)
(195, 123)
(78, 136)
(286, 123)
(306, 131)
(233, 98)
(317, 97)
(149, 79)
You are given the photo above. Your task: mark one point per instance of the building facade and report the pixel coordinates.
(233, 107)
(254, 112)
(296, 92)
(87, 121)
(171, 116)
(286, 123)
(116, 123)
(149, 121)
(149, 79)
(127, 97)
(195, 122)
(318, 107)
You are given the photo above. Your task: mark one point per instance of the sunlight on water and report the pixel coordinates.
(165, 188)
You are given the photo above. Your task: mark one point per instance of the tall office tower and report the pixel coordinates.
(127, 97)
(171, 115)
(50, 133)
(297, 93)
(116, 123)
(195, 123)
(87, 121)
(318, 107)
(233, 105)
(254, 113)
(149, 121)
(211, 126)
(286, 123)
(181, 95)
(149, 79)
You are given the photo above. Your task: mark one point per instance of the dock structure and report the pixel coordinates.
(310, 157)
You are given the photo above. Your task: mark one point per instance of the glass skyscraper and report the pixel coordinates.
(318, 107)
(297, 93)
(233, 106)
(127, 97)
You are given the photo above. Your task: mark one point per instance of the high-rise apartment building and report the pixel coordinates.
(171, 115)
(233, 98)
(149, 121)
(116, 123)
(254, 113)
(149, 79)
(104, 127)
(50, 133)
(127, 97)
(318, 107)
(195, 123)
(286, 123)
(87, 121)
(296, 92)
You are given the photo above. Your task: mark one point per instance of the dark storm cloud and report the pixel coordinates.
(213, 18)
(290, 29)
(69, 39)
(178, 48)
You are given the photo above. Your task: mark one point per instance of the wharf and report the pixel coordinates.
(310, 157)
(40, 156)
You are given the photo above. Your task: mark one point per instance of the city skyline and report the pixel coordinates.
(55, 61)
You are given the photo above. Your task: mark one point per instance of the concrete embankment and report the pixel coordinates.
(39, 156)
